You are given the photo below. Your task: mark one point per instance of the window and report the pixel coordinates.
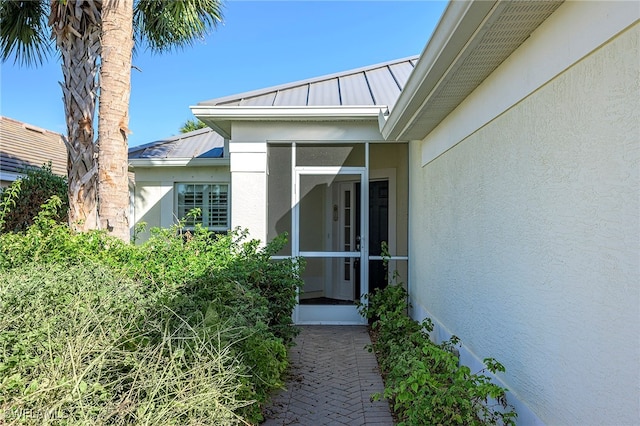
(212, 199)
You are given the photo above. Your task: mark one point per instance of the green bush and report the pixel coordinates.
(423, 380)
(187, 328)
(21, 201)
(84, 345)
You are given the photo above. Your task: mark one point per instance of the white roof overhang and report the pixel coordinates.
(178, 162)
(219, 118)
(9, 176)
(471, 40)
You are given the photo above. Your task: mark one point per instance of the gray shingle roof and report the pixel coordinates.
(202, 143)
(378, 84)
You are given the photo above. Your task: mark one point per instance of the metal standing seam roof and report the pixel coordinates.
(201, 143)
(374, 85)
(24, 145)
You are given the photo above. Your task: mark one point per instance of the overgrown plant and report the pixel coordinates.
(8, 199)
(186, 328)
(21, 201)
(89, 347)
(425, 381)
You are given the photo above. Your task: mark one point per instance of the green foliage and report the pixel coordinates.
(86, 346)
(24, 33)
(425, 381)
(166, 25)
(191, 125)
(20, 202)
(189, 327)
(8, 199)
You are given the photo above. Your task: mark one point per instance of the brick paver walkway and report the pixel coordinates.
(331, 381)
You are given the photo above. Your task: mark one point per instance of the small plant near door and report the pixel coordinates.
(424, 381)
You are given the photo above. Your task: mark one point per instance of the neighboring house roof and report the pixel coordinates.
(201, 144)
(378, 84)
(359, 94)
(23, 144)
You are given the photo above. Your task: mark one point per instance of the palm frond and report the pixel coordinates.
(24, 33)
(167, 24)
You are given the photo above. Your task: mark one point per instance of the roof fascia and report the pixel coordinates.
(458, 26)
(219, 118)
(178, 162)
(8, 176)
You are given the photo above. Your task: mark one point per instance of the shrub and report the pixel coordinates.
(20, 202)
(187, 328)
(423, 380)
(85, 346)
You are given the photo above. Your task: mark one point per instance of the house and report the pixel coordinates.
(177, 174)
(502, 170)
(24, 145)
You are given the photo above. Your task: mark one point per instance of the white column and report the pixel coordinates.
(248, 165)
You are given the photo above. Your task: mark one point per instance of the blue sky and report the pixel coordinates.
(260, 44)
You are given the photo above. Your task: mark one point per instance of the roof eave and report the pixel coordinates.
(467, 33)
(178, 162)
(9, 176)
(220, 118)
(457, 25)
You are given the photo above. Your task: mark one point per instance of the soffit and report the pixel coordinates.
(506, 26)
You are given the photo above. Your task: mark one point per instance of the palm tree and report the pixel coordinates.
(97, 36)
(113, 120)
(75, 27)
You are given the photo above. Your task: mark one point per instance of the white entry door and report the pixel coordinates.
(345, 276)
(324, 217)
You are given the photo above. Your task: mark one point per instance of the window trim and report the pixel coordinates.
(205, 206)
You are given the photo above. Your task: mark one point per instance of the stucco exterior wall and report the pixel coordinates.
(525, 241)
(246, 131)
(154, 199)
(249, 161)
(248, 174)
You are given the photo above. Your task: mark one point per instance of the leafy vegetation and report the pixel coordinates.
(191, 125)
(186, 328)
(20, 201)
(424, 380)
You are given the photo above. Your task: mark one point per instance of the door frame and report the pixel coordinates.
(330, 314)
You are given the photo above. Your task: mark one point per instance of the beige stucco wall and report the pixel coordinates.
(525, 241)
(154, 199)
(249, 158)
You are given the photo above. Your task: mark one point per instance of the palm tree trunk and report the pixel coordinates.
(76, 27)
(113, 122)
